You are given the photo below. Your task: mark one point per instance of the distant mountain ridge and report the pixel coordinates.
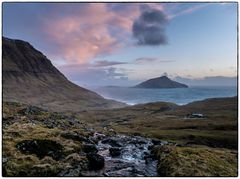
(160, 82)
(29, 77)
(209, 81)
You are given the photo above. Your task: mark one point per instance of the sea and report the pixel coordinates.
(180, 96)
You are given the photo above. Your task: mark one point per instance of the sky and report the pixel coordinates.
(126, 43)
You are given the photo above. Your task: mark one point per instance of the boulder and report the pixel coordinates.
(115, 151)
(98, 136)
(96, 161)
(156, 142)
(90, 148)
(111, 142)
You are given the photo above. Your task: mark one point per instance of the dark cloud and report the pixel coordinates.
(149, 28)
(105, 63)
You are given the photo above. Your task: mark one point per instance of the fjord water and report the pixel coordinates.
(179, 96)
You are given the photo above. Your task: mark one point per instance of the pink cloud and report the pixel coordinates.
(80, 32)
(85, 34)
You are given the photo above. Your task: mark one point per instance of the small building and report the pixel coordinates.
(195, 115)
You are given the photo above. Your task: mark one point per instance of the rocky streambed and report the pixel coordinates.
(124, 156)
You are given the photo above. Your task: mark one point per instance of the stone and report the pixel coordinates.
(90, 148)
(111, 142)
(115, 151)
(96, 161)
(98, 136)
(156, 142)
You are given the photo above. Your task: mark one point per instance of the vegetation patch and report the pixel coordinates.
(196, 161)
(41, 148)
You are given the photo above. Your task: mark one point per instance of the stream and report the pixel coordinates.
(126, 156)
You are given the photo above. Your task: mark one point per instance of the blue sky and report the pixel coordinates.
(123, 43)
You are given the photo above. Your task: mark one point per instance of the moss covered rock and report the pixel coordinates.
(41, 148)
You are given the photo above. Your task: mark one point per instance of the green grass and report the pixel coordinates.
(196, 161)
(21, 129)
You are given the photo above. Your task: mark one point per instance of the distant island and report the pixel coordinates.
(160, 82)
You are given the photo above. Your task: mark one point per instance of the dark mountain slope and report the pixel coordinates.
(29, 77)
(161, 82)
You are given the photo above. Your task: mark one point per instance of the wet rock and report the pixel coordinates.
(138, 141)
(125, 172)
(156, 142)
(149, 158)
(116, 164)
(41, 148)
(105, 174)
(90, 148)
(70, 172)
(92, 173)
(180, 145)
(96, 161)
(111, 142)
(150, 147)
(115, 151)
(98, 136)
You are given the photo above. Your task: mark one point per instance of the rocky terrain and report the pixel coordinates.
(156, 139)
(29, 77)
(160, 82)
(41, 143)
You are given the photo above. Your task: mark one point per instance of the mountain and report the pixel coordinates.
(29, 77)
(160, 82)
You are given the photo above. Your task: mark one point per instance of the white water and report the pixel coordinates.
(131, 162)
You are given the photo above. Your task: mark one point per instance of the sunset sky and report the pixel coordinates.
(123, 43)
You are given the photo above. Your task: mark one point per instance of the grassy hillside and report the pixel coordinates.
(29, 77)
(167, 121)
